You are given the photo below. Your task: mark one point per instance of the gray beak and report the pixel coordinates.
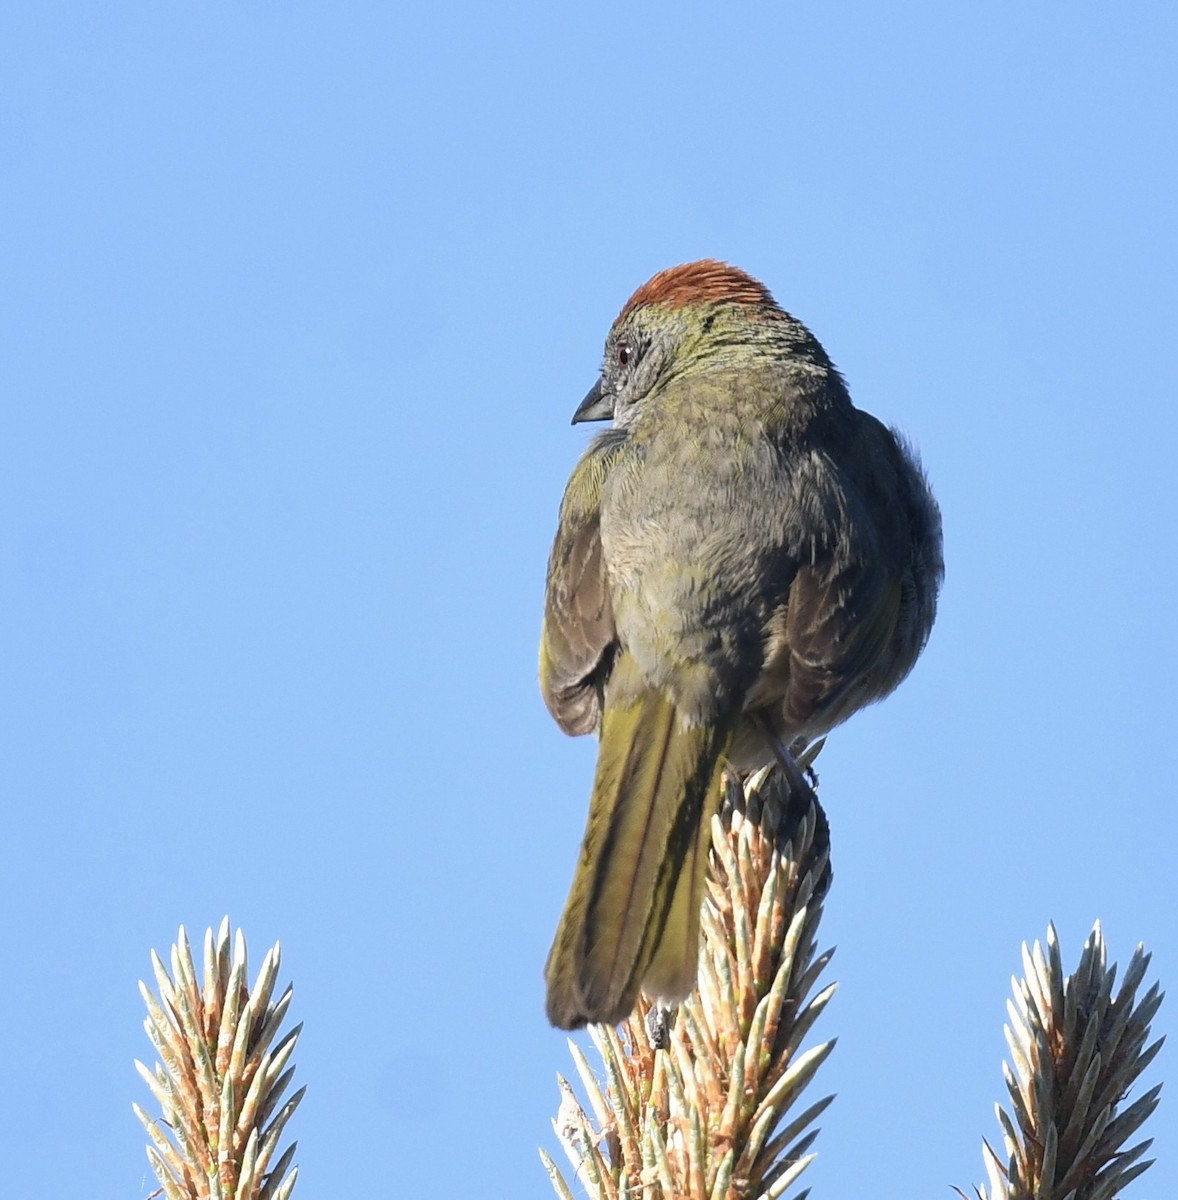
(595, 406)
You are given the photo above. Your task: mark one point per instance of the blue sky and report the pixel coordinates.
(297, 302)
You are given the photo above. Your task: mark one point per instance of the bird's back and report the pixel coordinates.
(784, 556)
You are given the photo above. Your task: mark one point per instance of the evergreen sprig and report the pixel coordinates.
(705, 1103)
(221, 1076)
(1076, 1051)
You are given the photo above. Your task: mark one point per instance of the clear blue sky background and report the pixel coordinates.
(298, 300)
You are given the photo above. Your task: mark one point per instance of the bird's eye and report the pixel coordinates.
(625, 354)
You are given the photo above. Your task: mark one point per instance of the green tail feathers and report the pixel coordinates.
(631, 922)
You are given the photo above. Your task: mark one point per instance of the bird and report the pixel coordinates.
(742, 559)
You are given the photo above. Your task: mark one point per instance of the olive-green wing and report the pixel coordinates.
(578, 641)
(840, 623)
(837, 630)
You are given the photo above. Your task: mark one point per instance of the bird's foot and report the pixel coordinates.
(793, 768)
(658, 1026)
(804, 755)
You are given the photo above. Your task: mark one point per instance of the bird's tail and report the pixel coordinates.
(631, 921)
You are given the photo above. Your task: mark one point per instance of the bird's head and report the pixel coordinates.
(700, 316)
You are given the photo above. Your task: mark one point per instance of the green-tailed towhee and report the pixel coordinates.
(743, 558)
